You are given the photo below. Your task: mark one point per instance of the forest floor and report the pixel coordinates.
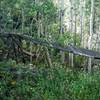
(18, 82)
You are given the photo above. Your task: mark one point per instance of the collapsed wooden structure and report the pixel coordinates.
(14, 41)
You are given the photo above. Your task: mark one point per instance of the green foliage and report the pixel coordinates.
(48, 84)
(9, 63)
(11, 11)
(56, 83)
(65, 39)
(1, 44)
(86, 88)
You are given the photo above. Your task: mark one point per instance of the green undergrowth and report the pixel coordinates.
(56, 83)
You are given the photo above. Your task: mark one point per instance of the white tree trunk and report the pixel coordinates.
(71, 16)
(62, 28)
(91, 33)
(75, 21)
(81, 22)
(23, 20)
(71, 30)
(61, 17)
(84, 7)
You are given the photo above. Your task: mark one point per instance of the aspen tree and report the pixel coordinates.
(71, 30)
(84, 8)
(81, 22)
(62, 28)
(90, 35)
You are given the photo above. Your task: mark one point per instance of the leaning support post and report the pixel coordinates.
(48, 57)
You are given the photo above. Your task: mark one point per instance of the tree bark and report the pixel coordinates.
(81, 22)
(62, 28)
(90, 36)
(71, 63)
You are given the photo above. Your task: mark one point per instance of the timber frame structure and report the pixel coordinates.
(14, 46)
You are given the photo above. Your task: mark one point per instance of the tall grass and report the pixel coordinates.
(48, 84)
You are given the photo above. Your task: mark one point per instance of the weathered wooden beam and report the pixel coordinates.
(70, 48)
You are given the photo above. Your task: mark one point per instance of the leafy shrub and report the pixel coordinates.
(41, 83)
(86, 88)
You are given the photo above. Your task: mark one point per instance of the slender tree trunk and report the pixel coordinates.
(81, 22)
(75, 27)
(61, 17)
(62, 28)
(75, 30)
(31, 44)
(98, 34)
(71, 16)
(75, 21)
(71, 30)
(39, 28)
(23, 20)
(84, 7)
(91, 33)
